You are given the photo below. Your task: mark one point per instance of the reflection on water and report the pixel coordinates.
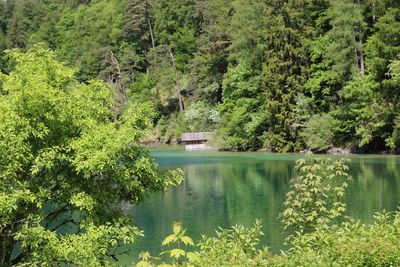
(222, 189)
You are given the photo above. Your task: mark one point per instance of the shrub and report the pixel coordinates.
(318, 133)
(316, 196)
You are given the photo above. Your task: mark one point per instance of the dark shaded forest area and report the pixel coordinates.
(280, 75)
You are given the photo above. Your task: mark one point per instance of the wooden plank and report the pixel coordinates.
(195, 136)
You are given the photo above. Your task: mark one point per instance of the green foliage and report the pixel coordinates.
(353, 244)
(345, 48)
(67, 161)
(317, 195)
(394, 140)
(85, 31)
(231, 247)
(176, 27)
(251, 60)
(178, 236)
(169, 129)
(360, 118)
(284, 71)
(89, 249)
(201, 117)
(383, 47)
(318, 132)
(241, 85)
(178, 255)
(210, 61)
(241, 113)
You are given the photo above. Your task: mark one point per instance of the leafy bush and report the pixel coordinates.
(318, 132)
(394, 140)
(316, 196)
(352, 244)
(231, 247)
(201, 117)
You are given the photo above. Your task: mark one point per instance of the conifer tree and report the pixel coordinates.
(383, 47)
(284, 71)
(241, 86)
(210, 62)
(346, 38)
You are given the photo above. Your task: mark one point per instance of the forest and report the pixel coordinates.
(277, 75)
(84, 83)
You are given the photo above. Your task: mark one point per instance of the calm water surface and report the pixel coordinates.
(222, 189)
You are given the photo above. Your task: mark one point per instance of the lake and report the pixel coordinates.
(222, 189)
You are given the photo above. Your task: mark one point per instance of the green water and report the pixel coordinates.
(222, 189)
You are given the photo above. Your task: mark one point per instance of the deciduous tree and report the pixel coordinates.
(67, 162)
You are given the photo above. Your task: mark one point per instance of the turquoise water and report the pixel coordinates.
(222, 189)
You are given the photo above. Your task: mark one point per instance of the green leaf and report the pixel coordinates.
(187, 240)
(169, 239)
(176, 253)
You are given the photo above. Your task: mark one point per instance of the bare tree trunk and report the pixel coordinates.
(362, 64)
(6, 248)
(373, 12)
(360, 52)
(151, 33)
(147, 6)
(177, 86)
(120, 86)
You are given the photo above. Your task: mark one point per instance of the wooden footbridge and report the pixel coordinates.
(196, 141)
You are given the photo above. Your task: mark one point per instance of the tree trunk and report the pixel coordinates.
(360, 53)
(373, 12)
(147, 7)
(119, 86)
(6, 247)
(362, 64)
(151, 33)
(177, 86)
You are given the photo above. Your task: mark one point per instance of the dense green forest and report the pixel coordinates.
(280, 75)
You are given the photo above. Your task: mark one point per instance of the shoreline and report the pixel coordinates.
(331, 151)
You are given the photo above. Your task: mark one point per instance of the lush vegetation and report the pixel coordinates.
(83, 82)
(69, 159)
(319, 233)
(279, 75)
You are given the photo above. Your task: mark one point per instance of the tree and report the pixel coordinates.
(138, 25)
(17, 29)
(394, 140)
(86, 31)
(318, 133)
(175, 26)
(284, 71)
(361, 118)
(346, 39)
(67, 161)
(241, 85)
(210, 62)
(383, 47)
(25, 19)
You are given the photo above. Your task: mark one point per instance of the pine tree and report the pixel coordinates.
(383, 47)
(138, 24)
(346, 38)
(210, 62)
(284, 71)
